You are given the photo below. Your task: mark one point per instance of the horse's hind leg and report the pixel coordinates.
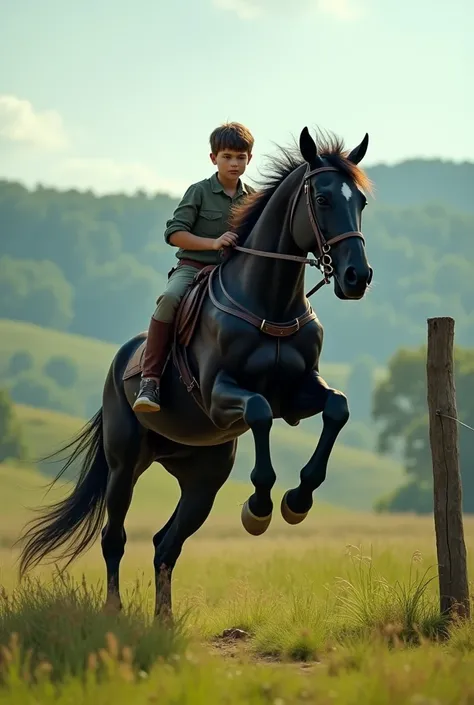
(128, 456)
(315, 396)
(200, 473)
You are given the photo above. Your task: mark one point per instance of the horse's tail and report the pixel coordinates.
(77, 519)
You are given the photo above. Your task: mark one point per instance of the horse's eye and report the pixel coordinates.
(321, 200)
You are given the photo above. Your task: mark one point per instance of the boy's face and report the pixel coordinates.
(230, 164)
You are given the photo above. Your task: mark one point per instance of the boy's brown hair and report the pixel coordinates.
(231, 135)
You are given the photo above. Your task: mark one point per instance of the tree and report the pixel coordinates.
(11, 443)
(35, 291)
(62, 370)
(20, 361)
(400, 410)
(31, 390)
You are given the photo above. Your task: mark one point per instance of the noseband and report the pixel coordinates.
(323, 247)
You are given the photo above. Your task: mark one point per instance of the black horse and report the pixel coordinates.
(253, 357)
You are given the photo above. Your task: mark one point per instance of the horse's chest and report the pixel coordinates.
(257, 360)
(280, 358)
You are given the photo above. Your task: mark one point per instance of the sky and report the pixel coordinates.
(121, 95)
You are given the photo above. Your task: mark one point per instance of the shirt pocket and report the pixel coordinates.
(210, 223)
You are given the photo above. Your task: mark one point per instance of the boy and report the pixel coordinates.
(199, 229)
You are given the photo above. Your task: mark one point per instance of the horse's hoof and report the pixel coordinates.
(112, 607)
(164, 617)
(253, 524)
(288, 515)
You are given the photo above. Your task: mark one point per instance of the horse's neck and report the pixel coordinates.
(271, 288)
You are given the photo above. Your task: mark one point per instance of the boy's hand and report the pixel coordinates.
(226, 240)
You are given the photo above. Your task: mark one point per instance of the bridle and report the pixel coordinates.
(323, 261)
(323, 257)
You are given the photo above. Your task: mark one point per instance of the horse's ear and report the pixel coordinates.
(308, 148)
(358, 153)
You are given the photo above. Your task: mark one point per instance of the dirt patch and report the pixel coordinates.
(235, 644)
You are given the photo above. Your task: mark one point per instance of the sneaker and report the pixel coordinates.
(148, 397)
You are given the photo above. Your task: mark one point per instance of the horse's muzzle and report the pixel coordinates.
(354, 282)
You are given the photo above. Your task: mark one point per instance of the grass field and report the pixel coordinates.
(337, 610)
(340, 609)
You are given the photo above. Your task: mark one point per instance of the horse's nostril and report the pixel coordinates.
(371, 274)
(351, 276)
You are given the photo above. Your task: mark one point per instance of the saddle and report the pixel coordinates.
(186, 319)
(187, 315)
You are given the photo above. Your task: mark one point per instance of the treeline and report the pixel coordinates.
(95, 266)
(53, 386)
(416, 181)
(79, 263)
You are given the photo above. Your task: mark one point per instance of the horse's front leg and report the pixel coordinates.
(314, 396)
(229, 404)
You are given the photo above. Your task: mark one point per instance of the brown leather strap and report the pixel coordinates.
(313, 220)
(180, 359)
(192, 263)
(278, 330)
(345, 236)
(277, 255)
(317, 287)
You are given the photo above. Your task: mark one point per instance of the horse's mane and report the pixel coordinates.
(245, 215)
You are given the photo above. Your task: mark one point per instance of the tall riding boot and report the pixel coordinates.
(156, 351)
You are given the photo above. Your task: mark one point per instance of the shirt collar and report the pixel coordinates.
(218, 188)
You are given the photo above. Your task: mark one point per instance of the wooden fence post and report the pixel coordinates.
(450, 545)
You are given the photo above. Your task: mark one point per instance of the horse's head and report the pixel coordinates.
(326, 218)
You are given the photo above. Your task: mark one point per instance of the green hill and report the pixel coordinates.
(355, 479)
(92, 358)
(416, 181)
(92, 355)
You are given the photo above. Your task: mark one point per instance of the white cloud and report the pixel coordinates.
(20, 123)
(31, 140)
(105, 175)
(343, 10)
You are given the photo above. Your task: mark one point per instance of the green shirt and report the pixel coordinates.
(204, 212)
